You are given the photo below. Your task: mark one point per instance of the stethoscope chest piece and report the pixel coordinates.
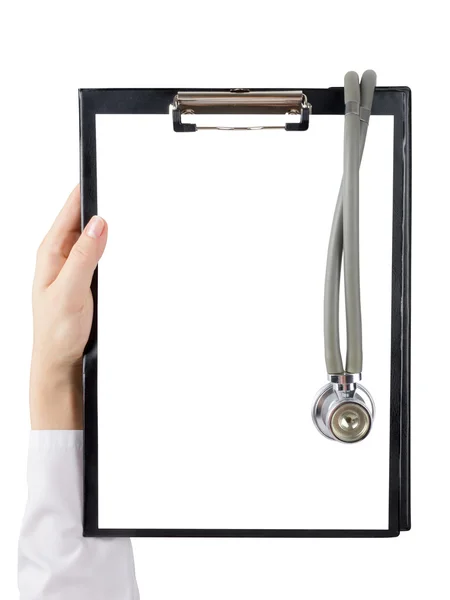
(343, 409)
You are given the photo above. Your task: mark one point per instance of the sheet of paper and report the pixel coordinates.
(210, 342)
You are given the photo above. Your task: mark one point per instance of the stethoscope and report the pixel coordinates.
(343, 409)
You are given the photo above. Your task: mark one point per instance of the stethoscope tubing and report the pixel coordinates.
(344, 236)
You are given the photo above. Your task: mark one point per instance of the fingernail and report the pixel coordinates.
(95, 227)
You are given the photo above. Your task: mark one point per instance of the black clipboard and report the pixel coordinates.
(395, 101)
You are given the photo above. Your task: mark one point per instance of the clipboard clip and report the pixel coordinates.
(240, 101)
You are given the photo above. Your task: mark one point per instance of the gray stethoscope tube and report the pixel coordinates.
(343, 409)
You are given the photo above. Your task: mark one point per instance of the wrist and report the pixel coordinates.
(55, 394)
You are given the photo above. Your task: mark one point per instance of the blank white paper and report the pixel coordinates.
(210, 327)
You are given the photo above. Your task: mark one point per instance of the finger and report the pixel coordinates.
(75, 277)
(56, 246)
(69, 217)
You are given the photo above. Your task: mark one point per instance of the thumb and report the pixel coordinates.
(75, 277)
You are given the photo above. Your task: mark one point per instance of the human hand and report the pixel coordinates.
(62, 316)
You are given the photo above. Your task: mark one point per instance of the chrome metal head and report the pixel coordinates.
(344, 410)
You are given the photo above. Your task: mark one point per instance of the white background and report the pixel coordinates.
(209, 366)
(49, 49)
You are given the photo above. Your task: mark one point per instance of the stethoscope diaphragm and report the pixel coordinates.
(344, 410)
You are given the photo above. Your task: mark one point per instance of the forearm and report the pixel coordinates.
(55, 561)
(55, 394)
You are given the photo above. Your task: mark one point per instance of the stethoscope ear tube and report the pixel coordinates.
(350, 209)
(344, 242)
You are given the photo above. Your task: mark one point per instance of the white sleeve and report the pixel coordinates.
(55, 561)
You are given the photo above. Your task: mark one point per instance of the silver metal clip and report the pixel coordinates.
(241, 101)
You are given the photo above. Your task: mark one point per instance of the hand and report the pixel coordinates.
(62, 316)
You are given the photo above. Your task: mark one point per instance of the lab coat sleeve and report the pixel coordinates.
(55, 561)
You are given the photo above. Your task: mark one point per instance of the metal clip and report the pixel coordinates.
(241, 101)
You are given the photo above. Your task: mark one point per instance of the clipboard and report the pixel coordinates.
(388, 101)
